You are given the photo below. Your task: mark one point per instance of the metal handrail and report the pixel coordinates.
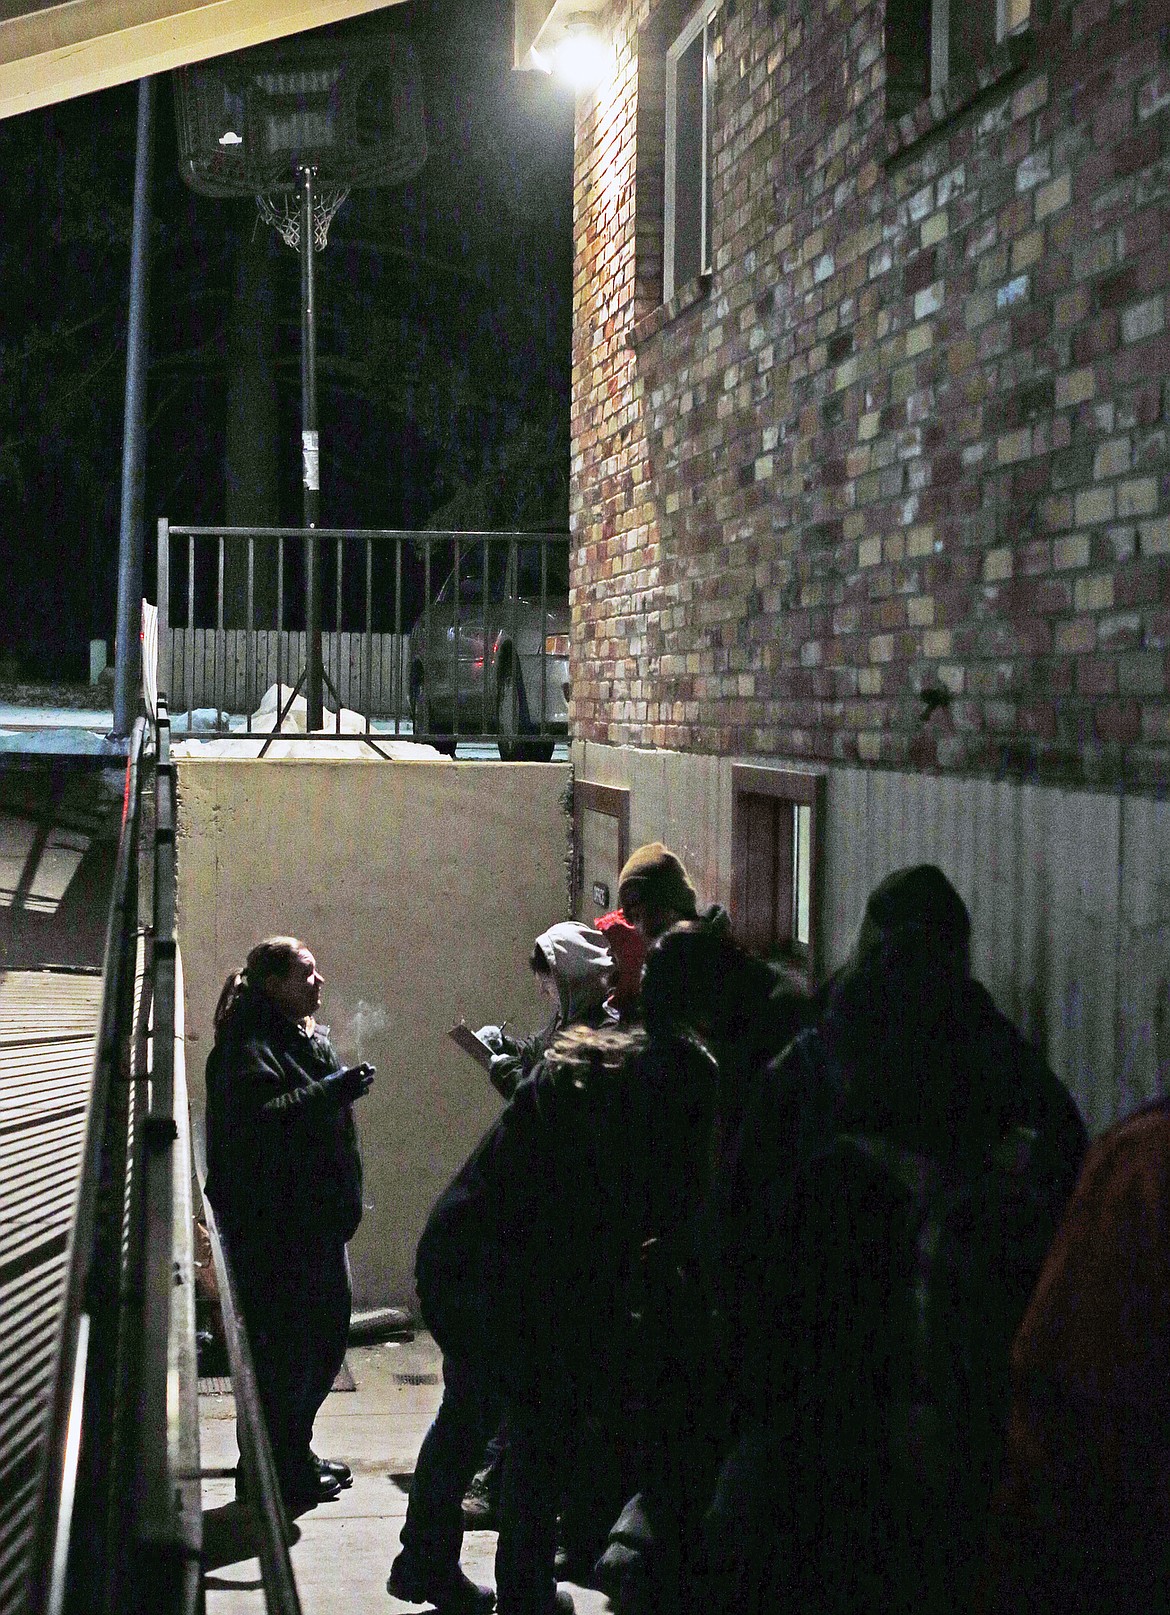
(118, 1523)
(260, 1480)
(68, 1403)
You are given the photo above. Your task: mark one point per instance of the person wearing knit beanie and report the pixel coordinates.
(654, 891)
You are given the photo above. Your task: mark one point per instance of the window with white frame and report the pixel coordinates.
(690, 83)
(931, 42)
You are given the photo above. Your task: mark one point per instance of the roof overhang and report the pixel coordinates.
(51, 50)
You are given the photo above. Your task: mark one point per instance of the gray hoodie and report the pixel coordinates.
(581, 964)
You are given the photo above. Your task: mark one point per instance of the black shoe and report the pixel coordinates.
(342, 1473)
(303, 1490)
(308, 1487)
(455, 1595)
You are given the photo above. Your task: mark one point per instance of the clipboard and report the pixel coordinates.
(470, 1044)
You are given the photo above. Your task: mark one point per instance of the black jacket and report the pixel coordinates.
(529, 1257)
(282, 1156)
(904, 1050)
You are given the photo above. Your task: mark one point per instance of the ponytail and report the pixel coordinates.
(272, 957)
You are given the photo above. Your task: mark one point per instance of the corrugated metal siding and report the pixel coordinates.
(1143, 1007)
(1069, 893)
(1040, 870)
(48, 1021)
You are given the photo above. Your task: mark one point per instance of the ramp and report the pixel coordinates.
(48, 1023)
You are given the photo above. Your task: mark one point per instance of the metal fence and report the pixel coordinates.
(232, 614)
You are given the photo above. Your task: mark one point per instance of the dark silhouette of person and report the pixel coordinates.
(284, 1177)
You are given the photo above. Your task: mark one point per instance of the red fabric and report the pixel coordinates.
(628, 947)
(1083, 1514)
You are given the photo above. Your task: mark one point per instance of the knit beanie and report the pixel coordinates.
(656, 876)
(919, 898)
(628, 947)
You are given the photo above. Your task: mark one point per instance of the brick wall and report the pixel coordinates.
(894, 487)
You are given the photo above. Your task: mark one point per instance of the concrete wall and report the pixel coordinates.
(420, 887)
(1069, 892)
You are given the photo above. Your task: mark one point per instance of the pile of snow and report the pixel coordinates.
(263, 722)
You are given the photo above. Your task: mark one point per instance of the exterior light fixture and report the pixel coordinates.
(581, 56)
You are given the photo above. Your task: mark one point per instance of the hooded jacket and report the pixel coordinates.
(581, 966)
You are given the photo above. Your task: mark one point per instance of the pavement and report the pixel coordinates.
(342, 1552)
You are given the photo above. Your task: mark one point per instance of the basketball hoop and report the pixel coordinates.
(282, 210)
(296, 125)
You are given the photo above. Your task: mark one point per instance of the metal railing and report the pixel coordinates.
(231, 617)
(119, 1521)
(256, 1461)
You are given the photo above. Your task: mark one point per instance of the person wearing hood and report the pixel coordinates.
(900, 1172)
(573, 969)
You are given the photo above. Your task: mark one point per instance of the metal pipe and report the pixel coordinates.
(310, 458)
(131, 533)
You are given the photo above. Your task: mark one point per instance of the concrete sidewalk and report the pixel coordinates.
(342, 1554)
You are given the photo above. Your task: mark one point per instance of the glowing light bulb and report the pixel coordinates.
(582, 57)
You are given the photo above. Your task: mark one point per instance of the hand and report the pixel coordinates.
(353, 1082)
(503, 1072)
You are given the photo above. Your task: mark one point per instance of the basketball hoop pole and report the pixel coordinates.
(310, 458)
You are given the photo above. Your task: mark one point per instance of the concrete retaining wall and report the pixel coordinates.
(420, 887)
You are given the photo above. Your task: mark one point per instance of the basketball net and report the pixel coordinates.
(282, 210)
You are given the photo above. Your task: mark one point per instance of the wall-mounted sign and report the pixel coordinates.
(601, 894)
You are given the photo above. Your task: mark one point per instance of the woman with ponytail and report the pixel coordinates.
(284, 1176)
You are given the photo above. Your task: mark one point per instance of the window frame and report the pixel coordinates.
(797, 788)
(940, 35)
(700, 22)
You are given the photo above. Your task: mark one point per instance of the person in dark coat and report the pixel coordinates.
(911, 1074)
(1081, 1521)
(655, 892)
(745, 1011)
(573, 969)
(524, 1273)
(285, 1180)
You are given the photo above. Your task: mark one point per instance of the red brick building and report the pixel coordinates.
(870, 484)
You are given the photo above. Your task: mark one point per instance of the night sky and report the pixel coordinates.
(444, 310)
